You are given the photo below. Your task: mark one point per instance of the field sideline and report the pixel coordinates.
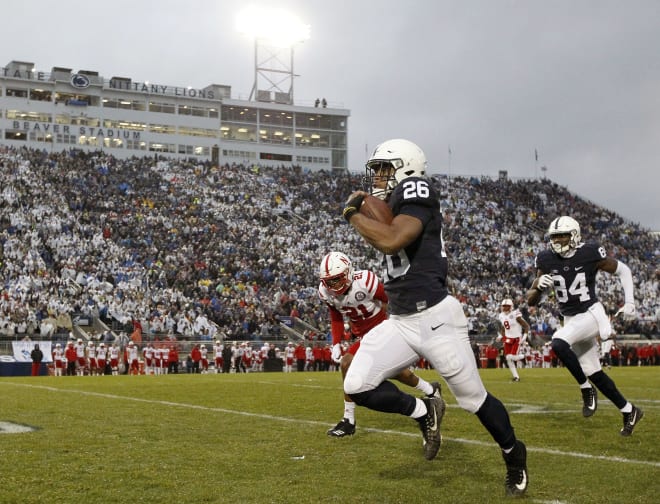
(261, 437)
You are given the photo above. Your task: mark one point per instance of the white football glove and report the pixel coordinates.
(628, 311)
(336, 353)
(544, 282)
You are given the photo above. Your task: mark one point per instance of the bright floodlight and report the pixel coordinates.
(274, 26)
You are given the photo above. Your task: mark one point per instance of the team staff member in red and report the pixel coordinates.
(173, 362)
(300, 355)
(317, 352)
(492, 353)
(196, 356)
(71, 357)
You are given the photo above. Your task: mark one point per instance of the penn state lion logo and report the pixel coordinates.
(79, 81)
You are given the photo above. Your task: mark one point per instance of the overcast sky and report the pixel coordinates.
(494, 80)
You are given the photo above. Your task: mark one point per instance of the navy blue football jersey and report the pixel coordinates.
(574, 277)
(416, 277)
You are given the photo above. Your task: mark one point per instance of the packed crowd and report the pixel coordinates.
(203, 253)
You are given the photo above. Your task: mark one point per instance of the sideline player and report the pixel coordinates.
(81, 357)
(114, 354)
(424, 320)
(58, 360)
(360, 297)
(218, 347)
(101, 357)
(569, 266)
(514, 330)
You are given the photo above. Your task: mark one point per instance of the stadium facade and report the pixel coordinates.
(63, 109)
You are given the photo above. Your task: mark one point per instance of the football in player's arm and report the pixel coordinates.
(424, 319)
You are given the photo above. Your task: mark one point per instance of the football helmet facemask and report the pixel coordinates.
(336, 272)
(566, 226)
(391, 162)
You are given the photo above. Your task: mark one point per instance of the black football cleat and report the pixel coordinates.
(343, 428)
(430, 423)
(590, 399)
(630, 420)
(516, 480)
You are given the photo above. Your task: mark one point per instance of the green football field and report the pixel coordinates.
(261, 438)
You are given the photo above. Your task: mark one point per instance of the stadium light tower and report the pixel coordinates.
(275, 33)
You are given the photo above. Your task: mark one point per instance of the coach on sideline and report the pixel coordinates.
(37, 356)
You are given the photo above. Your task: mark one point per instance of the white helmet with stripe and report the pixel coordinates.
(564, 226)
(336, 272)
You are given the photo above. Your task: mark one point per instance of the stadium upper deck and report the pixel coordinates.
(65, 109)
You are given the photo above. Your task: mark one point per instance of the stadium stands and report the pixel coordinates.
(196, 252)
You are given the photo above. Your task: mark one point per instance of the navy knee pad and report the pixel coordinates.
(570, 360)
(386, 398)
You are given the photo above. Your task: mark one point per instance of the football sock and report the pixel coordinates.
(424, 386)
(494, 416)
(606, 385)
(349, 411)
(420, 409)
(570, 360)
(510, 361)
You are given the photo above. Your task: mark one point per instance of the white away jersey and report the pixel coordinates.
(512, 328)
(358, 304)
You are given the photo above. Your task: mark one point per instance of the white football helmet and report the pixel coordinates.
(507, 302)
(396, 160)
(336, 272)
(564, 226)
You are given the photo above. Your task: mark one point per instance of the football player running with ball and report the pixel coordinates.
(424, 320)
(360, 297)
(570, 267)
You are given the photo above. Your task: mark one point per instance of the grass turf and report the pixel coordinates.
(261, 438)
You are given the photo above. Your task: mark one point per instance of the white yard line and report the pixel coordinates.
(548, 451)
